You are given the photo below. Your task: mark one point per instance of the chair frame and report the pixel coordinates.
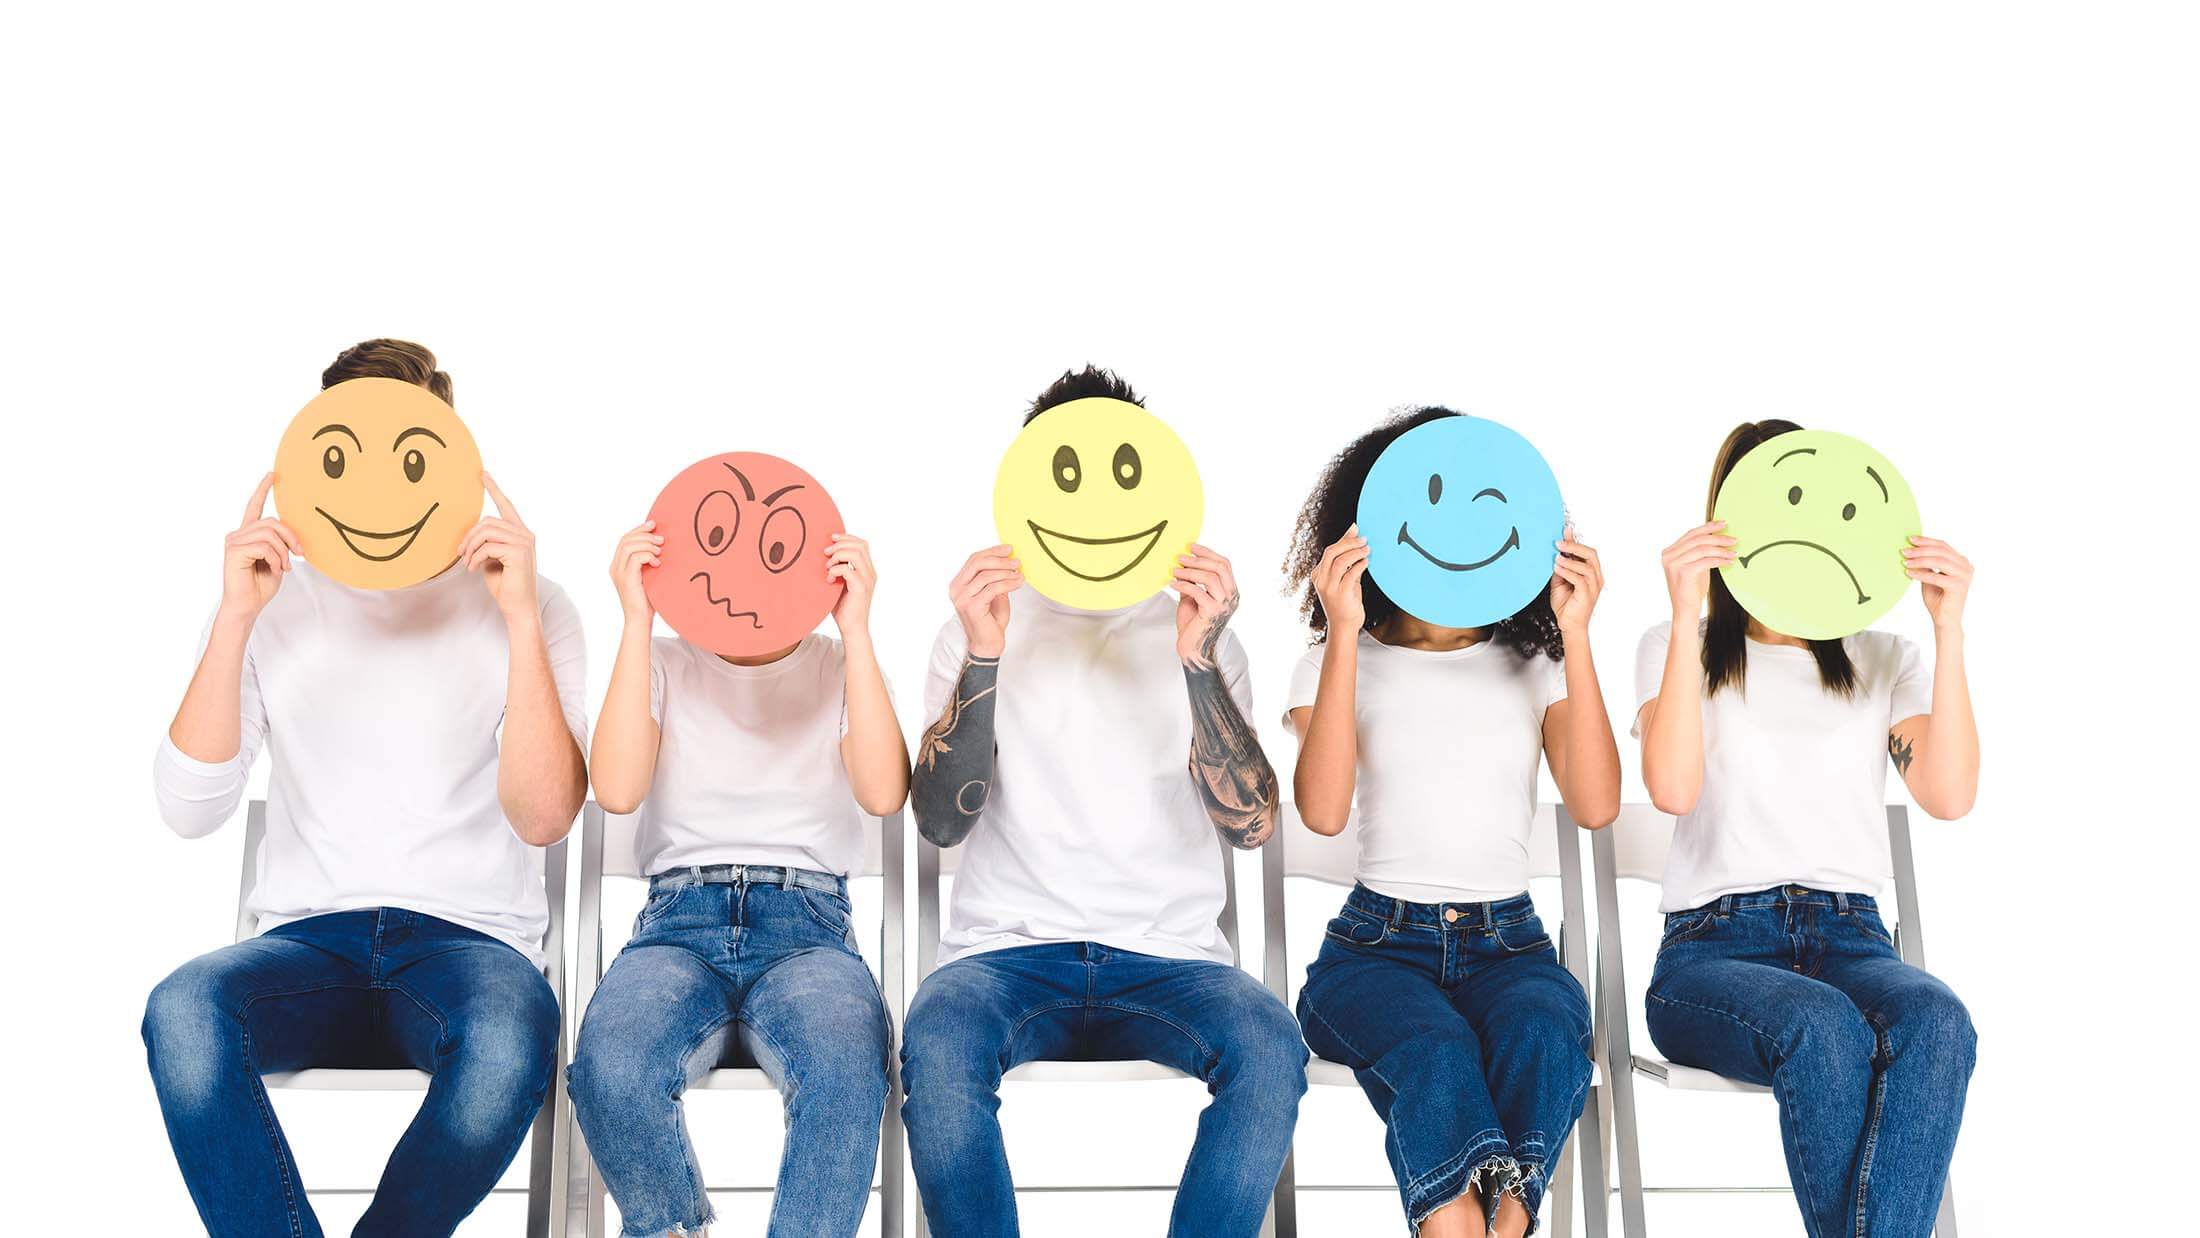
(546, 1138)
(1278, 864)
(584, 1190)
(933, 863)
(1646, 863)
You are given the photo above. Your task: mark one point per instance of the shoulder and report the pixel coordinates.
(553, 601)
(952, 642)
(1878, 653)
(1656, 636)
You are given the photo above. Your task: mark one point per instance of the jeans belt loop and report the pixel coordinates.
(1840, 902)
(1724, 907)
(1397, 914)
(786, 878)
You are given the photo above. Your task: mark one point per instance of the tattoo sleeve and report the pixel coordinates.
(954, 765)
(1234, 778)
(1902, 751)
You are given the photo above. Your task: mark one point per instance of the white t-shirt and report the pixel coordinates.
(1450, 744)
(748, 761)
(1092, 830)
(1794, 777)
(382, 712)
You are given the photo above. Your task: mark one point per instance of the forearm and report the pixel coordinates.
(876, 759)
(206, 726)
(1233, 776)
(1329, 751)
(1946, 784)
(954, 766)
(1587, 773)
(622, 755)
(1672, 733)
(540, 776)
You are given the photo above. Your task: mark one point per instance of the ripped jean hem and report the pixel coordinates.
(676, 1229)
(1486, 1168)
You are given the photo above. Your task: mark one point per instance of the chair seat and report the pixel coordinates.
(1681, 1078)
(1321, 1072)
(735, 1079)
(331, 1079)
(1093, 1072)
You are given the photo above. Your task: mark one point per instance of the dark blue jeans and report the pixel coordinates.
(382, 988)
(726, 955)
(1468, 1036)
(1801, 991)
(981, 1016)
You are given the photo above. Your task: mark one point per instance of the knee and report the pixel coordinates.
(610, 1073)
(949, 1055)
(844, 1087)
(1830, 1033)
(1265, 1056)
(506, 1045)
(1938, 1023)
(182, 1028)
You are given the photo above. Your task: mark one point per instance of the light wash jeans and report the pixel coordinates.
(726, 961)
(1801, 991)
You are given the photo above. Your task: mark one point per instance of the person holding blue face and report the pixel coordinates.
(1450, 610)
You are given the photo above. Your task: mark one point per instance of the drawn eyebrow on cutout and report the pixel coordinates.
(1800, 451)
(418, 430)
(746, 488)
(346, 431)
(1874, 475)
(1493, 492)
(773, 497)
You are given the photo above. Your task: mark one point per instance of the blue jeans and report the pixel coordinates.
(380, 988)
(1467, 1035)
(1869, 1057)
(981, 1016)
(730, 964)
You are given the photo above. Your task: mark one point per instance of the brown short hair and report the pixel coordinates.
(397, 359)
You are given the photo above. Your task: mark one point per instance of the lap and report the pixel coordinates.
(817, 1009)
(302, 1005)
(1188, 1014)
(655, 1002)
(1363, 1008)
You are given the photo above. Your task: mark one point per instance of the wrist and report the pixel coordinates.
(234, 620)
(1948, 632)
(523, 622)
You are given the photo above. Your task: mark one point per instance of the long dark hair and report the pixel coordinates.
(1332, 508)
(1725, 655)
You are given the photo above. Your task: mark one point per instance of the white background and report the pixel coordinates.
(862, 241)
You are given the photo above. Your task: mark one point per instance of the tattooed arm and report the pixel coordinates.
(954, 770)
(1233, 776)
(954, 767)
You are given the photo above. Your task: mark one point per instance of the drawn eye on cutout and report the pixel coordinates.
(781, 539)
(416, 465)
(1435, 486)
(1127, 467)
(332, 461)
(1067, 474)
(1490, 492)
(717, 519)
(1795, 495)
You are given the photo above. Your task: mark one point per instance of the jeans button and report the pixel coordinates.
(1451, 915)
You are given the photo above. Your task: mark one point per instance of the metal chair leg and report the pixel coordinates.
(1945, 1225)
(1284, 1210)
(1560, 1194)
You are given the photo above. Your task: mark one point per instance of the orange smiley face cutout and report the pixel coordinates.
(742, 571)
(380, 480)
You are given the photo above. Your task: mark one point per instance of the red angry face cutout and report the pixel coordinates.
(743, 566)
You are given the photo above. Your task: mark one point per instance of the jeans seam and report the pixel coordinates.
(1871, 1129)
(274, 1130)
(695, 1168)
(1206, 1051)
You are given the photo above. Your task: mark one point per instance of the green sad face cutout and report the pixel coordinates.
(1819, 521)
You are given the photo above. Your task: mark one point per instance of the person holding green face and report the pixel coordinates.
(1771, 744)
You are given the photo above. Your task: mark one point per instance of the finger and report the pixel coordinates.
(1212, 580)
(263, 549)
(278, 528)
(1569, 546)
(995, 559)
(999, 589)
(979, 584)
(258, 506)
(1198, 593)
(496, 496)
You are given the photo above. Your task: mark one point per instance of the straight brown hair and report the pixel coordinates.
(1725, 651)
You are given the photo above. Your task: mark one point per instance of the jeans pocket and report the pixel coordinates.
(1521, 936)
(1870, 925)
(660, 902)
(1354, 927)
(831, 911)
(1683, 926)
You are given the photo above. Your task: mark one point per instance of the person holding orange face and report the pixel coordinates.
(422, 740)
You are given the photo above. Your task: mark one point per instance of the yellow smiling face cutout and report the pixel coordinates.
(380, 480)
(1098, 497)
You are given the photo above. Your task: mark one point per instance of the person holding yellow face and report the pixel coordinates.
(418, 688)
(1090, 739)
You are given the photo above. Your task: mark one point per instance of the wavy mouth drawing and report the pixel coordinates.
(346, 532)
(1149, 538)
(1861, 596)
(1512, 543)
(727, 603)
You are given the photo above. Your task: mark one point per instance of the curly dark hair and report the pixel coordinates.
(1332, 508)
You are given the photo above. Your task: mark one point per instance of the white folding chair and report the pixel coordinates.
(546, 1141)
(1634, 849)
(1334, 862)
(607, 849)
(935, 863)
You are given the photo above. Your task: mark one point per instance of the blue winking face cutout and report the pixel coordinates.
(1462, 519)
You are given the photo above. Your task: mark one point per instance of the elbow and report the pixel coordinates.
(1323, 821)
(878, 805)
(543, 830)
(1949, 807)
(1674, 801)
(618, 803)
(1597, 816)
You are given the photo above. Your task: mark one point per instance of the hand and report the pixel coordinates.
(980, 594)
(641, 547)
(502, 549)
(848, 560)
(1688, 564)
(256, 557)
(1337, 584)
(1577, 580)
(1943, 579)
(1207, 595)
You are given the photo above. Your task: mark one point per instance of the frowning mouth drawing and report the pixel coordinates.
(727, 603)
(1144, 540)
(1512, 543)
(1861, 596)
(403, 537)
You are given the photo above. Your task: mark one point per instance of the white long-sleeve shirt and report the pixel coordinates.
(381, 711)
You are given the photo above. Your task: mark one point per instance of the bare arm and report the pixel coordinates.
(1329, 738)
(1232, 774)
(954, 769)
(1577, 733)
(541, 778)
(1937, 754)
(872, 751)
(1672, 721)
(255, 558)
